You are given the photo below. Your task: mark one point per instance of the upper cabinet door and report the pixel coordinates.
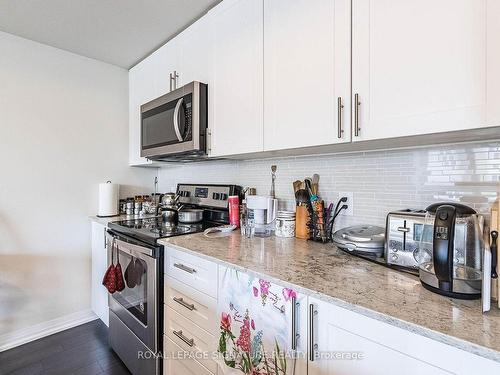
(237, 127)
(307, 73)
(493, 62)
(419, 67)
(141, 89)
(196, 58)
(166, 60)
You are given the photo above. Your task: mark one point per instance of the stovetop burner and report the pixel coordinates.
(151, 229)
(170, 229)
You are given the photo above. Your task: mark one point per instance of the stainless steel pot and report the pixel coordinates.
(190, 215)
(169, 199)
(168, 214)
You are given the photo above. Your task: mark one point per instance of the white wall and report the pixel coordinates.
(63, 129)
(381, 181)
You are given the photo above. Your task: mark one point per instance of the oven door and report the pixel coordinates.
(135, 305)
(174, 123)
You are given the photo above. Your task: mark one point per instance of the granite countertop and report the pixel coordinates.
(327, 273)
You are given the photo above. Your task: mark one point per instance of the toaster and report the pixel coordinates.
(403, 232)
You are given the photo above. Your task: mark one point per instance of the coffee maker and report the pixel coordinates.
(450, 251)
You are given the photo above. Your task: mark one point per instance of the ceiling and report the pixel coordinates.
(119, 32)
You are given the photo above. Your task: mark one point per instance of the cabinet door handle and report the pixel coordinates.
(171, 79)
(181, 302)
(184, 268)
(357, 103)
(312, 345)
(340, 108)
(175, 79)
(294, 323)
(105, 239)
(180, 335)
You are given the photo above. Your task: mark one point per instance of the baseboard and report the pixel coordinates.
(22, 336)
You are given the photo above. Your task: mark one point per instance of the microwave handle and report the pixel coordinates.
(176, 120)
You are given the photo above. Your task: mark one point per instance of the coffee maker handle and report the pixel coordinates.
(443, 245)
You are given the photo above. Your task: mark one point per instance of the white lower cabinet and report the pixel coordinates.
(190, 314)
(250, 310)
(178, 365)
(99, 294)
(347, 343)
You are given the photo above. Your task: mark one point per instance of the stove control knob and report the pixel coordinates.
(216, 196)
(186, 194)
(223, 196)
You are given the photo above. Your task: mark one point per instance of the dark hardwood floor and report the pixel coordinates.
(82, 350)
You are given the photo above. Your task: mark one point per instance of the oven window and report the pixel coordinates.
(134, 296)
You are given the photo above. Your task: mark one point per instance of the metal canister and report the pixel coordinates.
(129, 206)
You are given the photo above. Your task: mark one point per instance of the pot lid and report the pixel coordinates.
(360, 237)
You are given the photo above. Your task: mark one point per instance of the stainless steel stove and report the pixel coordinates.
(135, 313)
(150, 230)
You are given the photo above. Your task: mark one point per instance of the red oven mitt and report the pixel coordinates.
(119, 283)
(109, 280)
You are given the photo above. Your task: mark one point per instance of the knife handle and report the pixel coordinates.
(494, 254)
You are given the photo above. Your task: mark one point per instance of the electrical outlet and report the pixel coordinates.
(350, 204)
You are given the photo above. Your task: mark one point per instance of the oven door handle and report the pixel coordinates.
(131, 249)
(176, 120)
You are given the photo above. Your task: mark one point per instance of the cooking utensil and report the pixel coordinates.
(494, 225)
(315, 184)
(302, 197)
(169, 199)
(487, 280)
(307, 187)
(296, 186)
(168, 214)
(190, 215)
(273, 178)
(493, 248)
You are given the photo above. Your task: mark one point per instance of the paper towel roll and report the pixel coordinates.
(108, 199)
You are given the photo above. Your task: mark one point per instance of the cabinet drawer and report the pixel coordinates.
(196, 306)
(196, 272)
(173, 365)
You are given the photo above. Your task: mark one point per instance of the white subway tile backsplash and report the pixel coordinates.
(381, 181)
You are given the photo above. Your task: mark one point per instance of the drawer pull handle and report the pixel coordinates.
(184, 268)
(181, 302)
(180, 335)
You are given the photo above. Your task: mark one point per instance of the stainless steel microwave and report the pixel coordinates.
(175, 124)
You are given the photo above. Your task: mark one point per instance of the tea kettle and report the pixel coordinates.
(450, 252)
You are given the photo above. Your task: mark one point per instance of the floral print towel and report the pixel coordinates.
(255, 325)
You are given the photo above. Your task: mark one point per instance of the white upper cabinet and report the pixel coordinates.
(307, 73)
(196, 52)
(237, 125)
(493, 62)
(141, 89)
(419, 67)
(166, 61)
